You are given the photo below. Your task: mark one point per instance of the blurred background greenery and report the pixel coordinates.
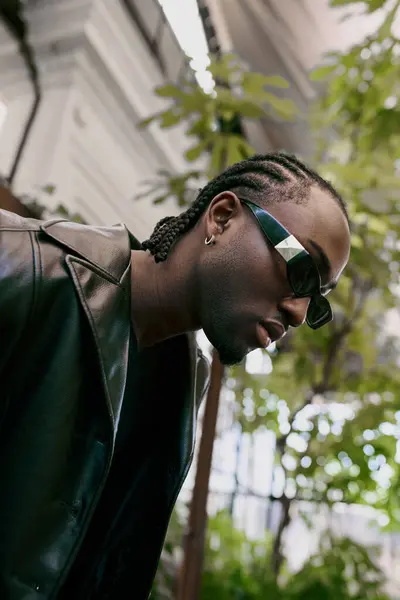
(332, 397)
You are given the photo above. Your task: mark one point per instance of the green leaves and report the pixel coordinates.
(146, 122)
(362, 88)
(235, 565)
(196, 151)
(322, 72)
(213, 120)
(340, 569)
(256, 83)
(283, 107)
(169, 91)
(49, 189)
(179, 187)
(370, 5)
(169, 119)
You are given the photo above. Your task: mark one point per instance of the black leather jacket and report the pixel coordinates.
(65, 295)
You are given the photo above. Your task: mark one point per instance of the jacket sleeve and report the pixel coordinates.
(17, 287)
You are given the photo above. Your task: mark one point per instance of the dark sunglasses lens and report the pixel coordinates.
(303, 276)
(319, 312)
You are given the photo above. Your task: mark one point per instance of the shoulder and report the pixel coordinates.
(10, 222)
(107, 248)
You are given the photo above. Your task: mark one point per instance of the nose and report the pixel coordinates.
(295, 310)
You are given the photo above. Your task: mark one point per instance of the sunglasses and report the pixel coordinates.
(302, 272)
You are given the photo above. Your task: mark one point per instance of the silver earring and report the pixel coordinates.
(209, 240)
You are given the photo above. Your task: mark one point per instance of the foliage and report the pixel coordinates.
(235, 569)
(340, 569)
(369, 5)
(212, 121)
(235, 565)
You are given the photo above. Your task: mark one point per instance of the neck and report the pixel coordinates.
(162, 298)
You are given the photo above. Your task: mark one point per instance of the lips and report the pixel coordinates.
(275, 330)
(263, 336)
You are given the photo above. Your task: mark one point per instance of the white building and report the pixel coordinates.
(99, 62)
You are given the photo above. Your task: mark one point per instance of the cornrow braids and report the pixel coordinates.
(266, 178)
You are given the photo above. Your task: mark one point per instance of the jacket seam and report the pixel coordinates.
(19, 229)
(37, 274)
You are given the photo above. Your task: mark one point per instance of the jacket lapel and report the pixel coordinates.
(107, 307)
(99, 265)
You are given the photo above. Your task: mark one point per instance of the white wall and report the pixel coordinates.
(98, 78)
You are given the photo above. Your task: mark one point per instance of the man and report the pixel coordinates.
(98, 372)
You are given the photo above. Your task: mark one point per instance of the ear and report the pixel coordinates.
(224, 207)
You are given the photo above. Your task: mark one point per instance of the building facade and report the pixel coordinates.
(98, 62)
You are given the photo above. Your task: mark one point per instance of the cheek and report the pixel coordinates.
(261, 277)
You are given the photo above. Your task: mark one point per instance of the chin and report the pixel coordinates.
(231, 351)
(229, 360)
(230, 354)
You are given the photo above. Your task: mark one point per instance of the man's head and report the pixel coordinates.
(242, 291)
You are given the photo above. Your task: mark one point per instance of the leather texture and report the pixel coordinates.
(65, 292)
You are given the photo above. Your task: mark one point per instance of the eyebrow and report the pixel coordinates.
(324, 264)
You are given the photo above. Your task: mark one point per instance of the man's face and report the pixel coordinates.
(245, 296)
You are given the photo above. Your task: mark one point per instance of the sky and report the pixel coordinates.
(186, 23)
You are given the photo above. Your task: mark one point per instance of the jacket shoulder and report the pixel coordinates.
(107, 248)
(11, 222)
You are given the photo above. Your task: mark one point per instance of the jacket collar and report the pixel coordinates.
(106, 248)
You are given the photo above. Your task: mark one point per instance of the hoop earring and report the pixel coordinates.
(210, 240)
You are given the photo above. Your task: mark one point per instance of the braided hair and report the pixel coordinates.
(265, 178)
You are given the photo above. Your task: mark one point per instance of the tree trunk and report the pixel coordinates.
(189, 582)
(277, 553)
